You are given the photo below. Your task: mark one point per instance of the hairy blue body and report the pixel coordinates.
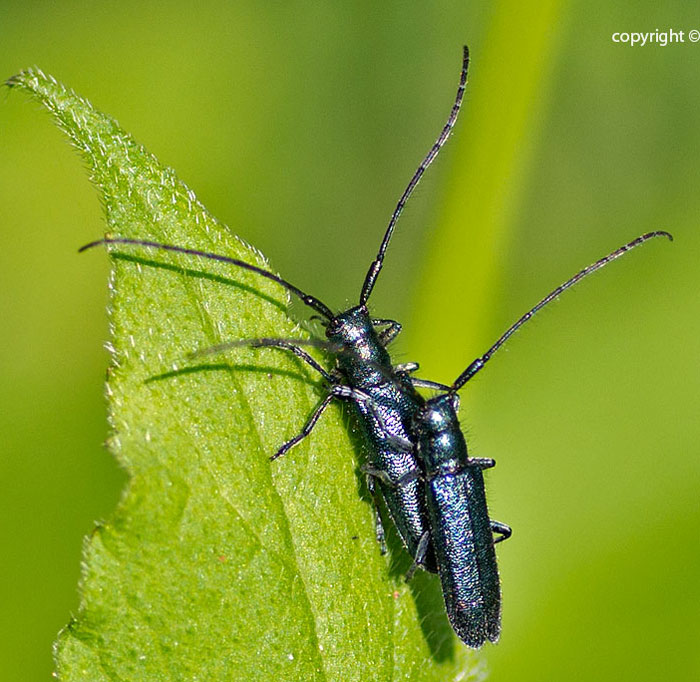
(460, 528)
(386, 417)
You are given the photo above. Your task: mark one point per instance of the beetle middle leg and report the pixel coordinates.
(378, 524)
(482, 462)
(337, 391)
(421, 553)
(308, 427)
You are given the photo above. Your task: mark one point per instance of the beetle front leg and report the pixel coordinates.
(386, 336)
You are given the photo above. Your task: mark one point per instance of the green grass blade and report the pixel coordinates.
(506, 94)
(218, 564)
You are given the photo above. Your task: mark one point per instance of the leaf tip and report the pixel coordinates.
(14, 80)
(21, 78)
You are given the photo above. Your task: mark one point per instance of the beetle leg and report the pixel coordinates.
(308, 427)
(504, 531)
(373, 473)
(482, 462)
(299, 352)
(386, 336)
(404, 479)
(433, 385)
(378, 525)
(421, 552)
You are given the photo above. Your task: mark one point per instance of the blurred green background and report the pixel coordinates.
(298, 124)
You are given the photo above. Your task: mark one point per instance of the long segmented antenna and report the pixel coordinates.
(479, 363)
(263, 342)
(309, 300)
(375, 268)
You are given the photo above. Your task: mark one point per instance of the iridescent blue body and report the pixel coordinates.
(386, 418)
(461, 531)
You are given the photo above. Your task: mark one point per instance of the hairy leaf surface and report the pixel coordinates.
(219, 564)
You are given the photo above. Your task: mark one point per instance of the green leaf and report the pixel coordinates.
(219, 564)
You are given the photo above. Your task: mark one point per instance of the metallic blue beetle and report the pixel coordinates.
(461, 532)
(383, 395)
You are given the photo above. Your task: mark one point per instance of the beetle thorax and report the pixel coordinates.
(440, 438)
(360, 349)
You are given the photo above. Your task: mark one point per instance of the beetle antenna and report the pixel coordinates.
(263, 342)
(307, 299)
(375, 268)
(479, 363)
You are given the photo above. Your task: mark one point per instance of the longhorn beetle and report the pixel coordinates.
(383, 395)
(458, 520)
